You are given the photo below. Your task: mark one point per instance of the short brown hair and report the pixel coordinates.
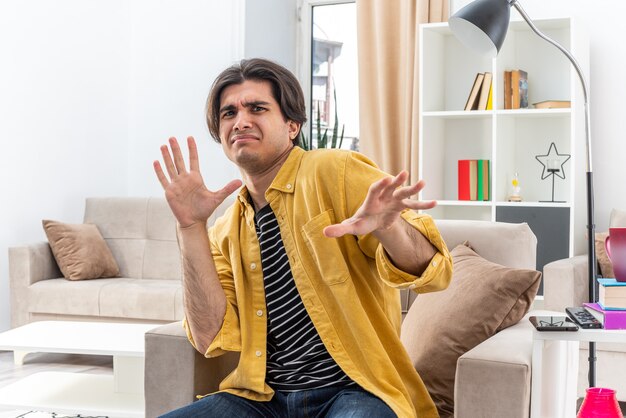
(285, 89)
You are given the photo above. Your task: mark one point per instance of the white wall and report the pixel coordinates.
(63, 110)
(177, 49)
(89, 90)
(271, 27)
(604, 24)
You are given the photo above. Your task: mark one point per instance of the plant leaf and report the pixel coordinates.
(304, 143)
(319, 127)
(343, 128)
(336, 125)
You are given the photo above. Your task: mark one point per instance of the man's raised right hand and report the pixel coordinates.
(191, 202)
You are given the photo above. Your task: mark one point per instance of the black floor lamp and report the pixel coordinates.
(482, 25)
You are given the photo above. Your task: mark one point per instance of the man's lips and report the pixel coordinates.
(243, 138)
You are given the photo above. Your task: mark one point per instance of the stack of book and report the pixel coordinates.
(611, 307)
(473, 180)
(515, 89)
(480, 96)
(612, 294)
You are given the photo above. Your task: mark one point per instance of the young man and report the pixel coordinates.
(301, 274)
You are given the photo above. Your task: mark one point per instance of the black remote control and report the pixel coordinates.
(583, 318)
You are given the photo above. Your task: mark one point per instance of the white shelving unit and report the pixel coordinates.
(510, 139)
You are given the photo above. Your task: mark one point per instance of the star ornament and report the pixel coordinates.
(553, 162)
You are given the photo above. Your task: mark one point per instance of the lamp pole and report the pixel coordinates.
(591, 250)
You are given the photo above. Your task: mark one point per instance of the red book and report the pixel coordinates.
(468, 179)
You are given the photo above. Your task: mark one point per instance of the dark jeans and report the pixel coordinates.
(352, 402)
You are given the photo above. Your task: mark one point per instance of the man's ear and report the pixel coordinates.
(294, 129)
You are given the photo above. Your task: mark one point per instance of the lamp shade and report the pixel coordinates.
(482, 25)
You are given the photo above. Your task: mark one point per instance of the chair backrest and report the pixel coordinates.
(511, 245)
(141, 233)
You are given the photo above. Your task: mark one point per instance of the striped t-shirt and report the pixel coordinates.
(296, 357)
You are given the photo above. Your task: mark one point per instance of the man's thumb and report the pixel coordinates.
(229, 189)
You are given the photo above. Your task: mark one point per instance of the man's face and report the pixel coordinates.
(253, 131)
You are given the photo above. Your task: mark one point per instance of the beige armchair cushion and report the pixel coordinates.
(482, 299)
(80, 250)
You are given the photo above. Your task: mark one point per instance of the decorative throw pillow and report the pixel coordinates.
(606, 268)
(80, 251)
(482, 299)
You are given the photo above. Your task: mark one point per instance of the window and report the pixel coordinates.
(329, 70)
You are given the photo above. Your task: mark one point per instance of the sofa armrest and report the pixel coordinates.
(493, 378)
(27, 265)
(565, 283)
(175, 372)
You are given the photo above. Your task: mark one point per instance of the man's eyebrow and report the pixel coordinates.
(227, 108)
(256, 103)
(252, 103)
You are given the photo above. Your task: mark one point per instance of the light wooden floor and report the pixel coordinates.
(38, 362)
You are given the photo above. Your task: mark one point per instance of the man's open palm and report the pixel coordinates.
(384, 202)
(185, 191)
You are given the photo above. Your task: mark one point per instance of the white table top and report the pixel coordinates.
(101, 338)
(597, 335)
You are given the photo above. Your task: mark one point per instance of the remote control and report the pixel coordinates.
(583, 318)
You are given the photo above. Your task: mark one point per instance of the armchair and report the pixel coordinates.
(492, 379)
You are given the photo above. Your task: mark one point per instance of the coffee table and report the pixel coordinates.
(119, 395)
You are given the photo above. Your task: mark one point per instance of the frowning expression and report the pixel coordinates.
(253, 130)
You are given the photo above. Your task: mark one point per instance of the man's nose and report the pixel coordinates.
(242, 121)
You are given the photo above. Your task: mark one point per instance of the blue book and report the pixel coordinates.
(610, 282)
(609, 308)
(612, 294)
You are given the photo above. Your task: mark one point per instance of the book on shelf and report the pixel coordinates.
(485, 88)
(523, 89)
(483, 192)
(508, 94)
(472, 99)
(519, 89)
(490, 98)
(468, 179)
(612, 294)
(515, 89)
(608, 319)
(473, 180)
(553, 104)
